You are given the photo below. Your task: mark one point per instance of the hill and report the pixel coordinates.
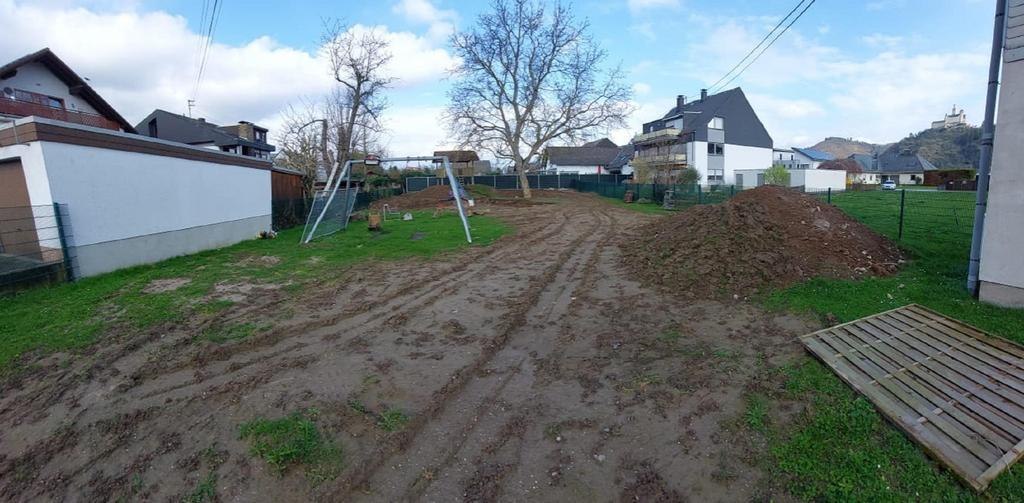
(842, 148)
(953, 148)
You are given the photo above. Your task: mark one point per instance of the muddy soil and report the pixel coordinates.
(534, 369)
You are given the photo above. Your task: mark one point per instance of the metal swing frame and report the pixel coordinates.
(334, 183)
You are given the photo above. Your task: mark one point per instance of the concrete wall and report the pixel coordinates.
(130, 208)
(1002, 267)
(810, 179)
(35, 77)
(818, 179)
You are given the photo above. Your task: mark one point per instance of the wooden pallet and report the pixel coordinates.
(956, 390)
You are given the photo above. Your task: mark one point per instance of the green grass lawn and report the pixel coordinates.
(74, 315)
(841, 449)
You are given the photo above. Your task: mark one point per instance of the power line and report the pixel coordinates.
(759, 44)
(210, 30)
(795, 19)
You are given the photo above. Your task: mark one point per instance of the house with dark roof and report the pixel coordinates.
(41, 85)
(715, 134)
(801, 158)
(244, 138)
(596, 157)
(899, 165)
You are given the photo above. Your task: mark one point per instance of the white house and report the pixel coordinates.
(800, 158)
(593, 158)
(130, 199)
(716, 135)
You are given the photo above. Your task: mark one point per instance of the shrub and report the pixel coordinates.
(777, 175)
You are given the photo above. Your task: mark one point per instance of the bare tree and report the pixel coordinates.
(349, 115)
(529, 77)
(358, 57)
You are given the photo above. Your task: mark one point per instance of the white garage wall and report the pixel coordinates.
(818, 179)
(113, 194)
(743, 157)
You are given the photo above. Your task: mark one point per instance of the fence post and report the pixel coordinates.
(903, 200)
(700, 195)
(732, 190)
(830, 195)
(558, 179)
(68, 270)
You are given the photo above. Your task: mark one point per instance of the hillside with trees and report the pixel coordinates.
(842, 148)
(953, 148)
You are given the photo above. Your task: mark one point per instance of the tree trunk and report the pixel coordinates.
(523, 181)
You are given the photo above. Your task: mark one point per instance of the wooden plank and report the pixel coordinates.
(968, 442)
(944, 397)
(979, 363)
(954, 389)
(973, 333)
(905, 422)
(970, 396)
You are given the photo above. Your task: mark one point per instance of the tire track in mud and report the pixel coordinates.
(479, 397)
(407, 300)
(513, 321)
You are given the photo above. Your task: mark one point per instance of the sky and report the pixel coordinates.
(873, 70)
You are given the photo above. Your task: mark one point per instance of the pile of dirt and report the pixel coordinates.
(768, 237)
(426, 199)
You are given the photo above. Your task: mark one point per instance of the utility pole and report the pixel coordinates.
(985, 161)
(191, 103)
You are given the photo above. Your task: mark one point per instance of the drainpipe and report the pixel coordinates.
(985, 161)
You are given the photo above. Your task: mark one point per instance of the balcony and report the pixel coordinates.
(662, 135)
(18, 108)
(662, 159)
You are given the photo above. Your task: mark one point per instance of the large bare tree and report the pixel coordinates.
(358, 57)
(529, 76)
(349, 115)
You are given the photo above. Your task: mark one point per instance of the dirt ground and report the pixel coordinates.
(534, 369)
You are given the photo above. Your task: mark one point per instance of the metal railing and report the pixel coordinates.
(35, 246)
(26, 108)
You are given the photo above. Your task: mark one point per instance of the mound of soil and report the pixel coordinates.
(426, 199)
(768, 237)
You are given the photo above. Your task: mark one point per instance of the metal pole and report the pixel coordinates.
(830, 195)
(330, 198)
(69, 274)
(985, 161)
(903, 203)
(458, 198)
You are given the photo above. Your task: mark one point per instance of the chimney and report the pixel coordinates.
(680, 101)
(201, 119)
(703, 94)
(245, 130)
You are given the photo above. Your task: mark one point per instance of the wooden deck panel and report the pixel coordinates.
(954, 389)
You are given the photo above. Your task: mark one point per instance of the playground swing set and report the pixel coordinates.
(332, 207)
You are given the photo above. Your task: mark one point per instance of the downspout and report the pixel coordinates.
(985, 161)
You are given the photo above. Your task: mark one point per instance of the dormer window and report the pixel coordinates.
(717, 123)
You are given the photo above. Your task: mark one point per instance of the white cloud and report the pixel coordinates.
(639, 5)
(879, 40)
(139, 61)
(641, 88)
(441, 22)
(415, 130)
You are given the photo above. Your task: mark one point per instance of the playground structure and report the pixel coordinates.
(329, 214)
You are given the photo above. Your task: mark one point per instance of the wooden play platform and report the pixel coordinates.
(956, 390)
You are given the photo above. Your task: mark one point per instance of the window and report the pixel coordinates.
(716, 149)
(261, 136)
(54, 102)
(717, 123)
(152, 129)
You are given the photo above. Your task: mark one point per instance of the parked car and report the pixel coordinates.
(888, 185)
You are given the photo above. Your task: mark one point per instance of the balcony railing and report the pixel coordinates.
(19, 108)
(667, 134)
(662, 158)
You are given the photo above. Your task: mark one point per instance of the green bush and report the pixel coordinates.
(777, 175)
